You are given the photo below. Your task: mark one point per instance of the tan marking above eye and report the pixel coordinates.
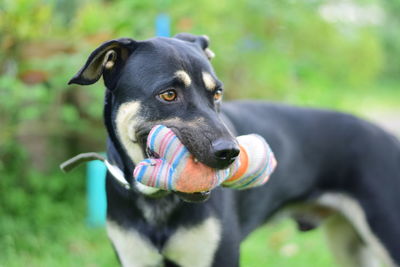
(209, 81)
(209, 53)
(184, 77)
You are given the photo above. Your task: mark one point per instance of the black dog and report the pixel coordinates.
(331, 166)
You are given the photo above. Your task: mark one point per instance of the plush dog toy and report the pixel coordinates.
(174, 168)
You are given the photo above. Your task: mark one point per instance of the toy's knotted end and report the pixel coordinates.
(256, 163)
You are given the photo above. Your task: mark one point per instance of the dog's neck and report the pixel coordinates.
(154, 211)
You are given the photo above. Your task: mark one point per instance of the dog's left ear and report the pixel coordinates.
(202, 40)
(106, 60)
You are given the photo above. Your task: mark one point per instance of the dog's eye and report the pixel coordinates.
(169, 95)
(218, 95)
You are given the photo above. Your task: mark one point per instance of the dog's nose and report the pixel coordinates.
(225, 151)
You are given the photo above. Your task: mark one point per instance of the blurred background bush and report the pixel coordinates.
(340, 54)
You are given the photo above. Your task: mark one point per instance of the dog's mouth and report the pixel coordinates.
(142, 142)
(187, 197)
(194, 197)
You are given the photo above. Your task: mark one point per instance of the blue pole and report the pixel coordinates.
(163, 25)
(96, 193)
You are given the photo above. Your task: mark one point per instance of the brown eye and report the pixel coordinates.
(169, 95)
(218, 95)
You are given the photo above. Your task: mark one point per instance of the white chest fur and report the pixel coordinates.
(133, 250)
(194, 246)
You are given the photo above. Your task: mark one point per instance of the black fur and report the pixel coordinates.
(318, 151)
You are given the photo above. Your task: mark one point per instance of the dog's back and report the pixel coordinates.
(323, 154)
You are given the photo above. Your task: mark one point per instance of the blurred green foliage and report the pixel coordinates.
(278, 50)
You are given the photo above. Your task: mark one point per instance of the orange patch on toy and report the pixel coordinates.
(244, 163)
(196, 177)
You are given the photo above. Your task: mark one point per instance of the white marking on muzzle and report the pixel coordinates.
(127, 120)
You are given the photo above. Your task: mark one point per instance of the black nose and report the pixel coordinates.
(225, 151)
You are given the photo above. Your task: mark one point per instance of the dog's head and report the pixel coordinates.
(167, 81)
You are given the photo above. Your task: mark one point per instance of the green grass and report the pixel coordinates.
(62, 238)
(282, 245)
(77, 245)
(42, 223)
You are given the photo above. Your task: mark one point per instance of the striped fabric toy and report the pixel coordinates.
(175, 169)
(256, 163)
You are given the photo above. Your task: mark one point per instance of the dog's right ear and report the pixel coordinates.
(202, 40)
(106, 60)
